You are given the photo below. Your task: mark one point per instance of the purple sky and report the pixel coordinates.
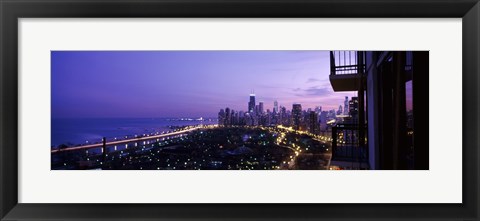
(186, 83)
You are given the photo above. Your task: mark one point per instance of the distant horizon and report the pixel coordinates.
(189, 84)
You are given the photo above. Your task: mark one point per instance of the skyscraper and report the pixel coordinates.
(345, 106)
(260, 107)
(233, 117)
(283, 116)
(227, 117)
(241, 118)
(323, 121)
(251, 103)
(221, 117)
(313, 122)
(275, 107)
(296, 116)
(248, 119)
(353, 107)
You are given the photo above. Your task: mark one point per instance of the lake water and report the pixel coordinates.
(80, 130)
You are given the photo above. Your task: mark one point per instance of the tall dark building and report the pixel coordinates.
(297, 116)
(323, 121)
(353, 107)
(221, 117)
(345, 106)
(251, 103)
(227, 117)
(283, 118)
(313, 122)
(241, 118)
(232, 117)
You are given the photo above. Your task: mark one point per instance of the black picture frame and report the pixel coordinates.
(12, 10)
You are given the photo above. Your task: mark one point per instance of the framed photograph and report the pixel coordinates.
(229, 110)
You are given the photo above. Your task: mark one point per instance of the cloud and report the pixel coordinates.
(311, 80)
(313, 91)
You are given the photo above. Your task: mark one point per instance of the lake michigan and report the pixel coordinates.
(75, 131)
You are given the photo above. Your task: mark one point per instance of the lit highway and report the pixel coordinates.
(96, 145)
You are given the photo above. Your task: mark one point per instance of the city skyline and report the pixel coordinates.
(186, 83)
(239, 110)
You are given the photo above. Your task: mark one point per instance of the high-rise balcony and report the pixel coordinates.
(349, 150)
(345, 70)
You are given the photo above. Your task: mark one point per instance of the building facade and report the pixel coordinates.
(389, 126)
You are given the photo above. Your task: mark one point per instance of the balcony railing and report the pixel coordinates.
(345, 62)
(347, 145)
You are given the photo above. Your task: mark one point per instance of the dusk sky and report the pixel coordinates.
(97, 84)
